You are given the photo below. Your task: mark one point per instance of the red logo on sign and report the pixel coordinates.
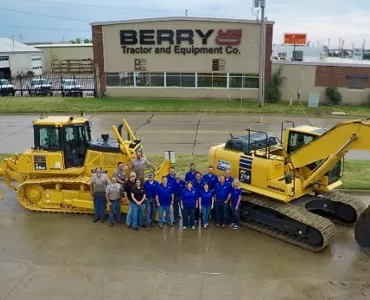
(230, 37)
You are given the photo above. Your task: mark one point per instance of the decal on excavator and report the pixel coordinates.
(245, 169)
(223, 165)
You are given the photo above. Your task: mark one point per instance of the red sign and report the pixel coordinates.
(295, 38)
(230, 37)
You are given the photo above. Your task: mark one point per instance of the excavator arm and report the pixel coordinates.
(351, 135)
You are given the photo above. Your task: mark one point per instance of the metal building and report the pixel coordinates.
(17, 58)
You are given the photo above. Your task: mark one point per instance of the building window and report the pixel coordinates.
(140, 64)
(126, 79)
(156, 79)
(161, 79)
(214, 80)
(356, 82)
(239, 81)
(4, 58)
(180, 79)
(218, 65)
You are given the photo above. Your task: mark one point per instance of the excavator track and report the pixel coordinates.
(356, 203)
(55, 195)
(340, 208)
(287, 222)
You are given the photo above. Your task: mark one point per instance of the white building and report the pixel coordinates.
(17, 58)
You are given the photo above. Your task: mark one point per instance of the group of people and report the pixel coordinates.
(195, 197)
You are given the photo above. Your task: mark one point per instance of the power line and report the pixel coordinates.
(42, 15)
(44, 28)
(168, 11)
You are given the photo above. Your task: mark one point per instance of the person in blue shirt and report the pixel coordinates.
(150, 187)
(222, 197)
(210, 178)
(228, 179)
(198, 186)
(189, 202)
(171, 177)
(236, 197)
(178, 186)
(164, 198)
(206, 202)
(190, 175)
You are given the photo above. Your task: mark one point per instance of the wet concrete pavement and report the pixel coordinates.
(182, 132)
(58, 256)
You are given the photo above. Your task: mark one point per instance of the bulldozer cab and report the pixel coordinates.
(69, 135)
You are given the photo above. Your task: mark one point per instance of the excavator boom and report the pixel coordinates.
(351, 135)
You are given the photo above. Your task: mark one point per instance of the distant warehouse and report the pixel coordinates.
(180, 57)
(17, 58)
(67, 58)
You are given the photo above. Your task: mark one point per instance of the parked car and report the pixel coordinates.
(6, 88)
(39, 86)
(70, 87)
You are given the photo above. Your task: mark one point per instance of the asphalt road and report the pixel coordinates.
(182, 132)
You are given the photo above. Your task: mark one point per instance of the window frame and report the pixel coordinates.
(359, 79)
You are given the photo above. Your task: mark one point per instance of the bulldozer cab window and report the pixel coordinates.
(75, 145)
(297, 140)
(48, 138)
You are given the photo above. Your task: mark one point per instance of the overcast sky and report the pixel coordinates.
(320, 19)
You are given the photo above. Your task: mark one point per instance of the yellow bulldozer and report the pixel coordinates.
(54, 175)
(288, 182)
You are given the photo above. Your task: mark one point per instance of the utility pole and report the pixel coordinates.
(342, 48)
(261, 90)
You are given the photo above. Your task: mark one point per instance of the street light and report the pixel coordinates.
(262, 5)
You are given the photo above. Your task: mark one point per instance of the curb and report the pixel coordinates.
(354, 191)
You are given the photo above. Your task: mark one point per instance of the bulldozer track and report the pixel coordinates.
(326, 228)
(46, 181)
(352, 201)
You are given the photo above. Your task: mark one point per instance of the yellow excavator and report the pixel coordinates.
(288, 182)
(54, 175)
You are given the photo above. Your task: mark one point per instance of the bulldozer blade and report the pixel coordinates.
(362, 229)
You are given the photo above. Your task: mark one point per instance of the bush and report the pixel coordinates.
(272, 90)
(333, 95)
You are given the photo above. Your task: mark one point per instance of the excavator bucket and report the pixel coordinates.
(362, 229)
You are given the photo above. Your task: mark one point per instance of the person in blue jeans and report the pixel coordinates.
(236, 197)
(127, 188)
(113, 194)
(99, 183)
(210, 178)
(198, 186)
(150, 187)
(138, 198)
(222, 197)
(164, 199)
(178, 187)
(206, 202)
(189, 202)
(190, 175)
(228, 178)
(171, 176)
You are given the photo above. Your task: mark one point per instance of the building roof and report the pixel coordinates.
(180, 19)
(8, 46)
(63, 45)
(327, 61)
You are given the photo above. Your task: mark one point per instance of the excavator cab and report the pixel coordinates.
(70, 137)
